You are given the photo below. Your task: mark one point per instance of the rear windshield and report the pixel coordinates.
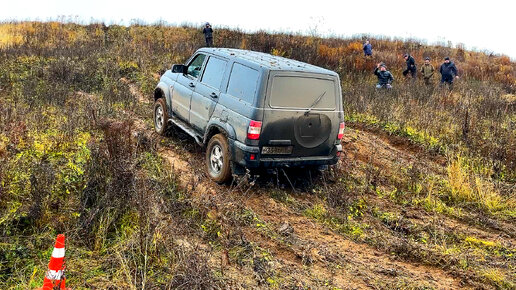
(302, 93)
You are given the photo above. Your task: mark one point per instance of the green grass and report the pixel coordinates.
(67, 164)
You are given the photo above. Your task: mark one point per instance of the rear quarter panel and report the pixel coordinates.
(236, 112)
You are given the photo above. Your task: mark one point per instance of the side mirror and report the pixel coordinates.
(179, 68)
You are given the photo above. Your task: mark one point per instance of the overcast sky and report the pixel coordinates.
(482, 25)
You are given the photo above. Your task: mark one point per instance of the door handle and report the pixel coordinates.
(191, 85)
(213, 95)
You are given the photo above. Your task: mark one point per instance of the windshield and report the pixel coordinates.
(302, 93)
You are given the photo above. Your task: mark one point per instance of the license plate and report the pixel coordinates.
(277, 150)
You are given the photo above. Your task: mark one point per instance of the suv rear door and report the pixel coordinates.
(301, 115)
(184, 86)
(207, 92)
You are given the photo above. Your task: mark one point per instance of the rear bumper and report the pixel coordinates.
(242, 155)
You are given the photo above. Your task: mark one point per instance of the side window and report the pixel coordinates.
(243, 82)
(214, 72)
(194, 68)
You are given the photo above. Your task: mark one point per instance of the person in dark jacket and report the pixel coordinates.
(368, 48)
(385, 77)
(411, 66)
(427, 70)
(208, 34)
(448, 72)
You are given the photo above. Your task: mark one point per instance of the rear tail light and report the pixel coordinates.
(341, 131)
(253, 132)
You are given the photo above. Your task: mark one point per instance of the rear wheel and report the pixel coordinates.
(161, 116)
(218, 159)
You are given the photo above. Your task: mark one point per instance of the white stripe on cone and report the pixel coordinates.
(58, 253)
(54, 275)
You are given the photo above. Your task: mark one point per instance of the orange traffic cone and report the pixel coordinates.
(55, 277)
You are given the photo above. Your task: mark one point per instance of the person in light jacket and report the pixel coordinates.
(427, 70)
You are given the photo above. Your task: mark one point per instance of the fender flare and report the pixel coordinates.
(224, 127)
(166, 93)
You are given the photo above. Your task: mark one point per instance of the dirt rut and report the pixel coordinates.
(315, 255)
(331, 256)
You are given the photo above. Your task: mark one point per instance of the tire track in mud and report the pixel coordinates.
(331, 257)
(362, 260)
(359, 264)
(190, 170)
(334, 257)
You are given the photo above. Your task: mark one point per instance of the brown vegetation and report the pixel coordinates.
(424, 197)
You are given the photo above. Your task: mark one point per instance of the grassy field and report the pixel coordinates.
(425, 196)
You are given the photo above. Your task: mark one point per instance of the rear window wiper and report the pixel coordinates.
(314, 104)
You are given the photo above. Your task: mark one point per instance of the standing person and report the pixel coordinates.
(448, 72)
(368, 48)
(428, 71)
(385, 77)
(411, 66)
(208, 34)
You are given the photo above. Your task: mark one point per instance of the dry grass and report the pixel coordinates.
(469, 188)
(75, 158)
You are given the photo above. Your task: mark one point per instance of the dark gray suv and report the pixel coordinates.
(253, 110)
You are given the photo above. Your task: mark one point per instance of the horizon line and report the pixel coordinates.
(74, 19)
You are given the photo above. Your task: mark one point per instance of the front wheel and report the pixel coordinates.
(161, 116)
(218, 159)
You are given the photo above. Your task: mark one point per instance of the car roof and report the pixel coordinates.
(268, 61)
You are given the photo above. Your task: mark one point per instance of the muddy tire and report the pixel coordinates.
(161, 116)
(218, 159)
